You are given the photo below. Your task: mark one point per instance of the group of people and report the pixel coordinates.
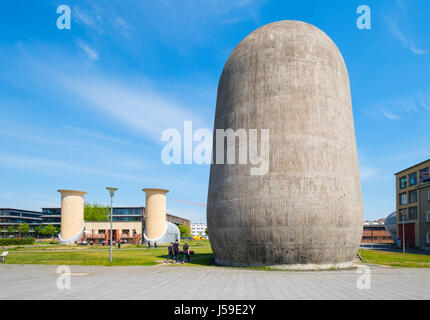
(173, 252)
(149, 245)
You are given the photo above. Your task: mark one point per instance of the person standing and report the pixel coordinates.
(186, 253)
(176, 250)
(149, 244)
(170, 251)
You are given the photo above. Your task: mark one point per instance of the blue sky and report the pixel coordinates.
(84, 108)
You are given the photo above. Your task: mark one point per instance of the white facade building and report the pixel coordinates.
(198, 229)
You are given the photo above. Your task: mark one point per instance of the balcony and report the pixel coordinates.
(95, 236)
(103, 236)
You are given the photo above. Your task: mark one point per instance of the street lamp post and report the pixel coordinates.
(403, 233)
(111, 192)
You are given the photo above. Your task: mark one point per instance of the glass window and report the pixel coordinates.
(424, 175)
(428, 196)
(403, 182)
(413, 179)
(413, 212)
(403, 198)
(413, 196)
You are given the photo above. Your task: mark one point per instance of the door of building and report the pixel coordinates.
(409, 235)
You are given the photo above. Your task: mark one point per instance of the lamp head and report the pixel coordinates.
(111, 190)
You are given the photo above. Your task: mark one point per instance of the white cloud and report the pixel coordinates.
(401, 108)
(96, 135)
(417, 51)
(59, 167)
(367, 172)
(136, 107)
(82, 17)
(87, 18)
(407, 41)
(89, 52)
(390, 116)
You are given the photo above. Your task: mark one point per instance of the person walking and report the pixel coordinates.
(170, 251)
(186, 253)
(149, 244)
(119, 244)
(176, 250)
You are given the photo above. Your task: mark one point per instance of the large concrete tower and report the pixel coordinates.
(72, 216)
(155, 211)
(288, 77)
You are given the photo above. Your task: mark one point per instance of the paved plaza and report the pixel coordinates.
(195, 283)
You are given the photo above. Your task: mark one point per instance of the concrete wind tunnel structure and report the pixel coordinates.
(72, 216)
(288, 77)
(157, 229)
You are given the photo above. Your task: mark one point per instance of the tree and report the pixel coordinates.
(38, 231)
(3, 231)
(11, 230)
(185, 230)
(95, 212)
(23, 229)
(206, 231)
(50, 230)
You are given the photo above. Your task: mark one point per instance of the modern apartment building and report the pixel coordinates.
(120, 214)
(15, 217)
(52, 216)
(198, 229)
(413, 205)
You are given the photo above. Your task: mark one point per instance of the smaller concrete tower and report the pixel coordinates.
(156, 221)
(72, 216)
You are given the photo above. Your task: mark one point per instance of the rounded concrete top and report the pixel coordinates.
(76, 192)
(295, 39)
(155, 189)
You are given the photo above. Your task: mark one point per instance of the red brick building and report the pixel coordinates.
(374, 232)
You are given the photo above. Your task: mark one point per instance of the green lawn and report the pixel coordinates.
(138, 255)
(128, 255)
(396, 259)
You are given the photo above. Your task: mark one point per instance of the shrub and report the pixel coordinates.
(12, 242)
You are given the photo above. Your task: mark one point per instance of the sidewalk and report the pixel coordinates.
(158, 282)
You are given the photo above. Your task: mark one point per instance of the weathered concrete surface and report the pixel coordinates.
(288, 77)
(72, 216)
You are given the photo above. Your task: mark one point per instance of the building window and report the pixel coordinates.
(428, 237)
(403, 182)
(424, 175)
(413, 196)
(413, 179)
(428, 196)
(403, 198)
(102, 231)
(413, 213)
(428, 216)
(403, 214)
